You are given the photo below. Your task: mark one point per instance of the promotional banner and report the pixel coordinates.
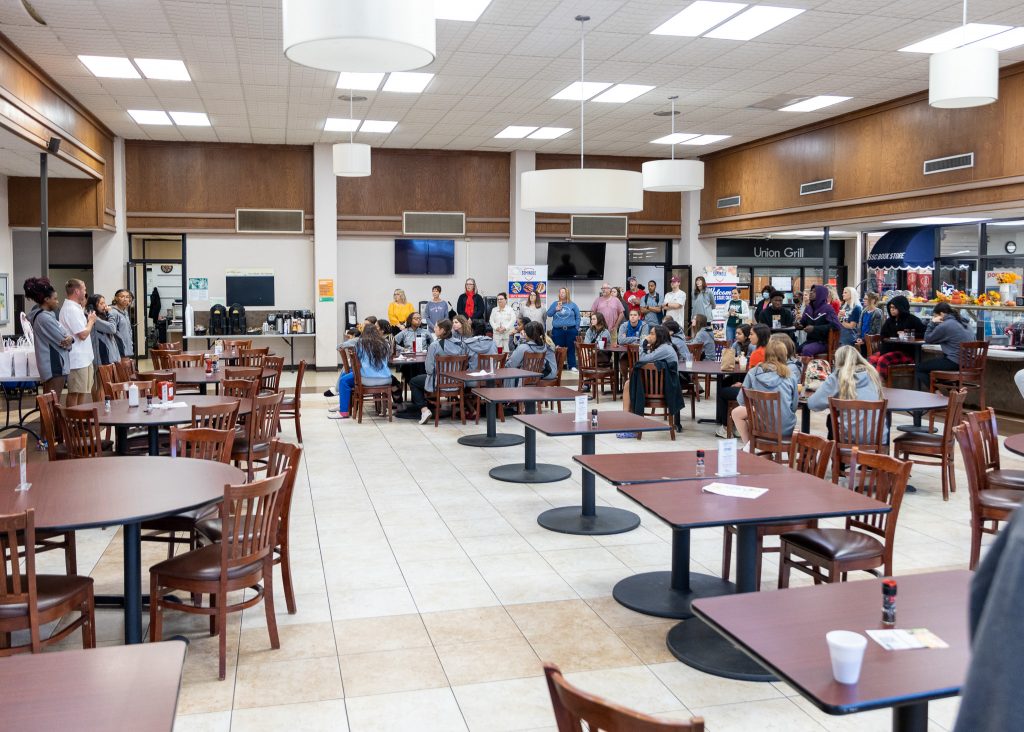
(524, 279)
(721, 281)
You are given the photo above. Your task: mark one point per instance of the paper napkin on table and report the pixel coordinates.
(478, 373)
(734, 491)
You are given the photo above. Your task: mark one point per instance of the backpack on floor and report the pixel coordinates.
(815, 374)
(236, 319)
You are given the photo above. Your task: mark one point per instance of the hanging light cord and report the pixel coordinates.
(672, 146)
(582, 19)
(351, 116)
(963, 27)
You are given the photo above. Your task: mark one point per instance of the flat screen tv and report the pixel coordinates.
(576, 260)
(252, 291)
(424, 256)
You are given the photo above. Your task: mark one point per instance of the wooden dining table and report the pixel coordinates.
(491, 438)
(712, 369)
(1015, 444)
(199, 377)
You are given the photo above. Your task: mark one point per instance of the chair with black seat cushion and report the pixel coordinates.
(764, 414)
(983, 424)
(445, 387)
(291, 405)
(859, 424)
(970, 375)
(653, 380)
(253, 447)
(867, 542)
(276, 365)
(594, 375)
(918, 447)
(216, 416)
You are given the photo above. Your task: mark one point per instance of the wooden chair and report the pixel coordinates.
(574, 707)
(160, 375)
(239, 344)
(169, 347)
(124, 370)
(244, 558)
(590, 373)
(381, 396)
(653, 380)
(533, 362)
(30, 601)
(697, 353)
(260, 428)
(866, 543)
(107, 375)
(159, 358)
(561, 355)
(984, 426)
(252, 357)
(488, 362)
(82, 432)
(291, 405)
(239, 388)
(215, 416)
(810, 455)
(445, 387)
(284, 459)
(872, 344)
(273, 381)
(53, 433)
(833, 345)
(119, 389)
(939, 448)
(989, 506)
(971, 375)
(184, 361)
(764, 413)
(628, 363)
(254, 373)
(859, 424)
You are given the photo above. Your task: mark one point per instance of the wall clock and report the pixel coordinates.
(1011, 247)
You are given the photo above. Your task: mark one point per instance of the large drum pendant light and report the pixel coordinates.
(360, 35)
(963, 77)
(582, 190)
(351, 159)
(673, 175)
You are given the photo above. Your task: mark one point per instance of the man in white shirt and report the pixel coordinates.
(675, 303)
(73, 318)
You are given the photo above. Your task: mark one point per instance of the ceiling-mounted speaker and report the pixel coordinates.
(53, 145)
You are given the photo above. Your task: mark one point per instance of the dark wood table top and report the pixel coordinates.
(659, 467)
(117, 687)
(192, 376)
(527, 393)
(403, 358)
(229, 354)
(1015, 444)
(502, 373)
(785, 631)
(790, 496)
(560, 425)
(93, 492)
(711, 368)
(912, 342)
(121, 415)
(613, 348)
(908, 400)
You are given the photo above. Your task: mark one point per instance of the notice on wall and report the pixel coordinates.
(325, 290)
(523, 280)
(198, 289)
(721, 280)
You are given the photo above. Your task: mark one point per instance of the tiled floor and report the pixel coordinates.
(428, 596)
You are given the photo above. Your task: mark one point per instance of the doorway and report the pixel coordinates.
(156, 275)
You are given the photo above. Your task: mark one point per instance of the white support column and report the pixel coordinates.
(697, 252)
(7, 255)
(325, 254)
(522, 244)
(110, 248)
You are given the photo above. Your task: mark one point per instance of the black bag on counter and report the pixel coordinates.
(236, 319)
(218, 320)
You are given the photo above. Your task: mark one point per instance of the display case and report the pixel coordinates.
(992, 320)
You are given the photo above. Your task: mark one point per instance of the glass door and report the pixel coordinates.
(156, 277)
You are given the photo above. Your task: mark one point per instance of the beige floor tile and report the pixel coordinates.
(648, 641)
(532, 588)
(496, 706)
(209, 722)
(467, 626)
(879, 720)
(617, 616)
(315, 640)
(204, 696)
(698, 690)
(287, 682)
(383, 672)
(457, 595)
(371, 603)
(489, 660)
(778, 715)
(573, 617)
(390, 633)
(636, 688)
(589, 650)
(428, 710)
(324, 716)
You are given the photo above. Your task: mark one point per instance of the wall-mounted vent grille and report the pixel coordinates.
(441, 223)
(953, 162)
(816, 186)
(269, 221)
(598, 227)
(728, 202)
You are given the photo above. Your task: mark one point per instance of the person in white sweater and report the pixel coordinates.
(503, 322)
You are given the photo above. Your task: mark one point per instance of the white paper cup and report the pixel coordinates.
(846, 650)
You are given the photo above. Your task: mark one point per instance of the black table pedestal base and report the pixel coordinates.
(910, 718)
(606, 520)
(697, 645)
(519, 473)
(502, 440)
(651, 593)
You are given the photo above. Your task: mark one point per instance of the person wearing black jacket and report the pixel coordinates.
(900, 319)
(656, 350)
(471, 304)
(775, 312)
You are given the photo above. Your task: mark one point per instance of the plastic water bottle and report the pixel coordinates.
(700, 463)
(106, 403)
(133, 396)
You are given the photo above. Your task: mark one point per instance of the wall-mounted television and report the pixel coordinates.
(576, 260)
(424, 256)
(256, 291)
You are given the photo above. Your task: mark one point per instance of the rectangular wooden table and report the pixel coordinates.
(684, 506)
(709, 368)
(589, 519)
(117, 687)
(785, 631)
(660, 467)
(491, 438)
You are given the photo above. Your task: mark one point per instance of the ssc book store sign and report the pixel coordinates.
(522, 280)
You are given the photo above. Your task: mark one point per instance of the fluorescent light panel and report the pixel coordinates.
(955, 38)
(753, 22)
(190, 119)
(362, 82)
(337, 124)
(162, 69)
(935, 220)
(675, 138)
(150, 116)
(705, 140)
(1003, 41)
(377, 125)
(1006, 223)
(515, 132)
(468, 10)
(407, 82)
(622, 93)
(110, 67)
(697, 18)
(811, 232)
(549, 133)
(814, 103)
(577, 91)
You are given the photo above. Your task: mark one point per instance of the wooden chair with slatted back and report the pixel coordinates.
(31, 600)
(833, 344)
(107, 375)
(970, 375)
(489, 362)
(344, 356)
(202, 443)
(291, 406)
(49, 418)
(924, 448)
(859, 424)
(381, 396)
(253, 447)
(119, 389)
(575, 708)
(184, 361)
(627, 363)
(255, 373)
(273, 381)
(764, 413)
(653, 380)
(867, 542)
(252, 357)
(239, 344)
(697, 353)
(167, 347)
(159, 375)
(159, 358)
(82, 432)
(986, 432)
(533, 362)
(561, 355)
(239, 388)
(448, 388)
(871, 344)
(215, 416)
(594, 375)
(124, 370)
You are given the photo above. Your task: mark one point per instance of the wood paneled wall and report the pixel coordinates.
(876, 157)
(182, 186)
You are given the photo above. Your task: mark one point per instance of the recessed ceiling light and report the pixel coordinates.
(163, 69)
(339, 124)
(150, 116)
(470, 10)
(811, 232)
(515, 132)
(675, 138)
(377, 125)
(705, 140)
(955, 38)
(752, 23)
(110, 67)
(697, 18)
(409, 82)
(1006, 223)
(1003, 41)
(190, 119)
(935, 220)
(549, 133)
(809, 105)
(582, 90)
(363, 82)
(622, 93)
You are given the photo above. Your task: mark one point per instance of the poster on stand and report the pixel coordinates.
(524, 279)
(721, 281)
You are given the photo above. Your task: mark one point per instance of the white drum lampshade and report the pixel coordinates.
(673, 175)
(351, 160)
(963, 77)
(360, 35)
(582, 191)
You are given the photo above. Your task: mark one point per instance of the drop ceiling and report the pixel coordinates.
(498, 71)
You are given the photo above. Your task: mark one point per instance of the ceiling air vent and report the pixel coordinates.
(816, 186)
(441, 223)
(728, 202)
(269, 221)
(953, 162)
(598, 227)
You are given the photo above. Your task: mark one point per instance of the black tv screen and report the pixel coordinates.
(424, 256)
(250, 291)
(576, 260)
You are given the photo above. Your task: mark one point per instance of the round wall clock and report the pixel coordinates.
(166, 268)
(1011, 247)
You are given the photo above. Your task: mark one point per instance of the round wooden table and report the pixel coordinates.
(1015, 444)
(199, 377)
(121, 416)
(68, 495)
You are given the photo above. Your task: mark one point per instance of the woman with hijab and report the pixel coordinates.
(818, 320)
(900, 319)
(470, 303)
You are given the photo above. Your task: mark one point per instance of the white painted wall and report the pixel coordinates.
(583, 292)
(7, 256)
(325, 255)
(110, 248)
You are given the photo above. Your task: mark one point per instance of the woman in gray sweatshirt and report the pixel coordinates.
(535, 344)
(947, 330)
(775, 375)
(852, 378)
(51, 340)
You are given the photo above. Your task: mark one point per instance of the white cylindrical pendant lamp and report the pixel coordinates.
(351, 160)
(582, 191)
(963, 77)
(360, 35)
(673, 175)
